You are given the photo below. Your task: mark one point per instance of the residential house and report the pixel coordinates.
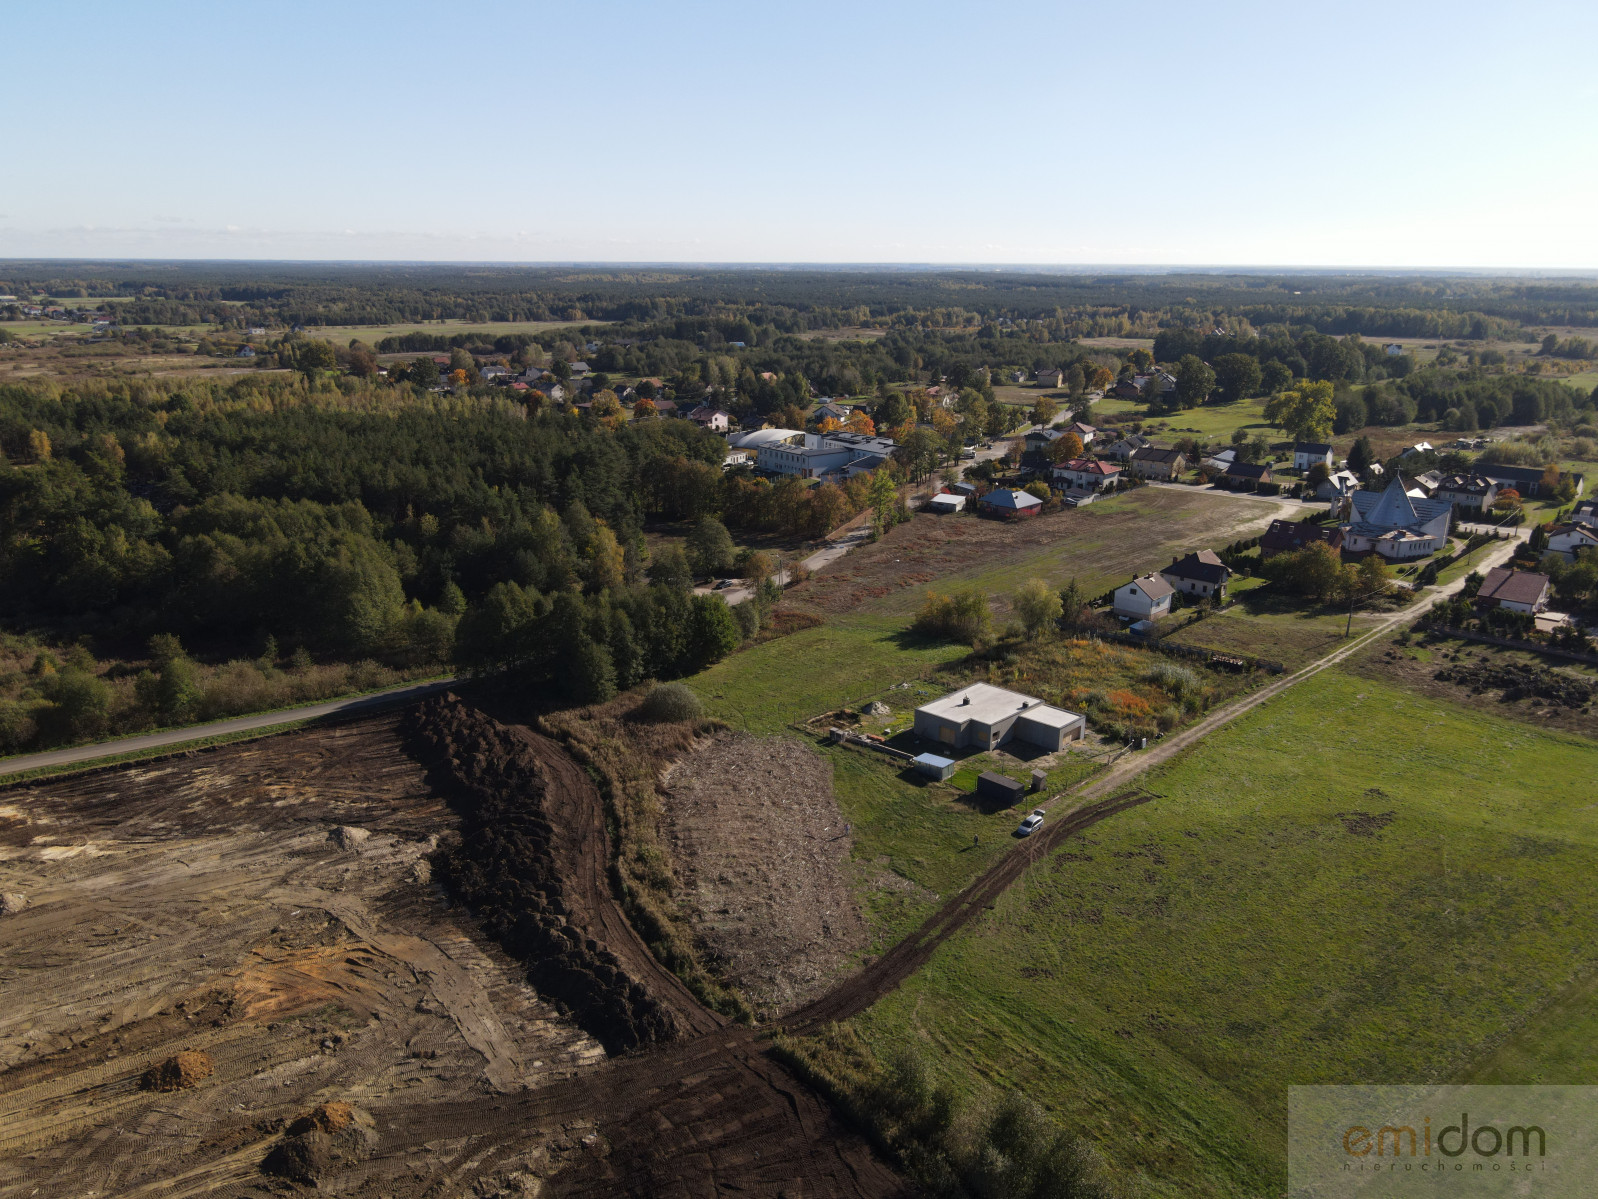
(1569, 538)
(1420, 447)
(1396, 525)
(1051, 378)
(665, 407)
(1586, 513)
(579, 369)
(1516, 590)
(1086, 474)
(1428, 480)
(1202, 574)
(1018, 376)
(246, 352)
(1528, 480)
(1151, 463)
(708, 416)
(1009, 504)
(1123, 449)
(494, 373)
(985, 717)
(1290, 536)
(1392, 349)
(1086, 432)
(1221, 460)
(1147, 597)
(1307, 453)
(827, 410)
(1127, 389)
(1245, 476)
(1339, 485)
(1468, 493)
(1035, 447)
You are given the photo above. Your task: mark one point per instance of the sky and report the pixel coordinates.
(1293, 133)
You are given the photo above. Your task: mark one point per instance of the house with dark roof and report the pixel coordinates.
(1009, 504)
(1570, 538)
(1152, 463)
(1127, 389)
(1245, 476)
(1146, 597)
(1395, 524)
(1085, 432)
(1290, 536)
(1466, 492)
(1307, 453)
(708, 416)
(1516, 590)
(1202, 574)
(1525, 479)
(1123, 449)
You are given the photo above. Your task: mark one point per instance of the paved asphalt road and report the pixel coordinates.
(404, 694)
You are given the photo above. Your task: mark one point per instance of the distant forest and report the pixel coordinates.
(801, 299)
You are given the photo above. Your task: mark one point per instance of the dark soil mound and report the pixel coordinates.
(178, 1072)
(325, 1117)
(505, 868)
(312, 1155)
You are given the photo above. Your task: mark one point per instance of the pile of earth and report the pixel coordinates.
(179, 1072)
(1521, 680)
(505, 869)
(333, 1135)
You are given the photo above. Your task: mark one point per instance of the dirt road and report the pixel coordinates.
(358, 705)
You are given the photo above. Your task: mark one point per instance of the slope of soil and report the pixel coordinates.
(762, 853)
(518, 865)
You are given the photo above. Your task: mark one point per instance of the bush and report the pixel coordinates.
(671, 702)
(1173, 679)
(963, 616)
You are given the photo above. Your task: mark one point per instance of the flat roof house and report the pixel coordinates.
(1146, 597)
(986, 717)
(1516, 590)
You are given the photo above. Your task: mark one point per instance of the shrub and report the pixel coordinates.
(1173, 679)
(963, 616)
(671, 702)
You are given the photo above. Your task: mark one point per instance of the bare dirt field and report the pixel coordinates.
(235, 968)
(1100, 546)
(762, 853)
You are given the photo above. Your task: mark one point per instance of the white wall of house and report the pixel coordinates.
(1131, 600)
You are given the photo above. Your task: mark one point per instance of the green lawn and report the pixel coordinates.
(1352, 884)
(1294, 638)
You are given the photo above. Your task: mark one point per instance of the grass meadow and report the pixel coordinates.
(1352, 884)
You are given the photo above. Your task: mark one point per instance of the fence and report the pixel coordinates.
(1535, 647)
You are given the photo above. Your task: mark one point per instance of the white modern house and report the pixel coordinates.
(986, 717)
(1146, 597)
(1395, 524)
(1086, 474)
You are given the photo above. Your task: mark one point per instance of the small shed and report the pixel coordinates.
(944, 502)
(998, 787)
(934, 767)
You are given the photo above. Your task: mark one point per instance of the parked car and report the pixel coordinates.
(723, 585)
(1031, 824)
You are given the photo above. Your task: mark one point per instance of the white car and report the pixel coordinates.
(1031, 824)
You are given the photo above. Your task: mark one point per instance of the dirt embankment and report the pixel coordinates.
(520, 866)
(761, 849)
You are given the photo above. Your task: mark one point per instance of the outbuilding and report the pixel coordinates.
(934, 767)
(1000, 788)
(944, 503)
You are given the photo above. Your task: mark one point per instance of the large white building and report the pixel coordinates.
(814, 455)
(986, 717)
(1395, 524)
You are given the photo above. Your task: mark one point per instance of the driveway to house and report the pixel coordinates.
(1134, 763)
(353, 706)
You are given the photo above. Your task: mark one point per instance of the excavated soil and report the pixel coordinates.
(762, 852)
(516, 864)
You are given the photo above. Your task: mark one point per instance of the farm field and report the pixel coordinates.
(372, 334)
(1300, 905)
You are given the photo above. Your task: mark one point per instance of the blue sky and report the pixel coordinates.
(1392, 134)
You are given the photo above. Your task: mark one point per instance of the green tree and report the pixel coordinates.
(1237, 376)
(1361, 455)
(1305, 414)
(712, 631)
(1194, 381)
(710, 548)
(313, 357)
(423, 372)
(670, 567)
(1044, 410)
(1036, 605)
(79, 706)
(883, 500)
(1274, 377)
